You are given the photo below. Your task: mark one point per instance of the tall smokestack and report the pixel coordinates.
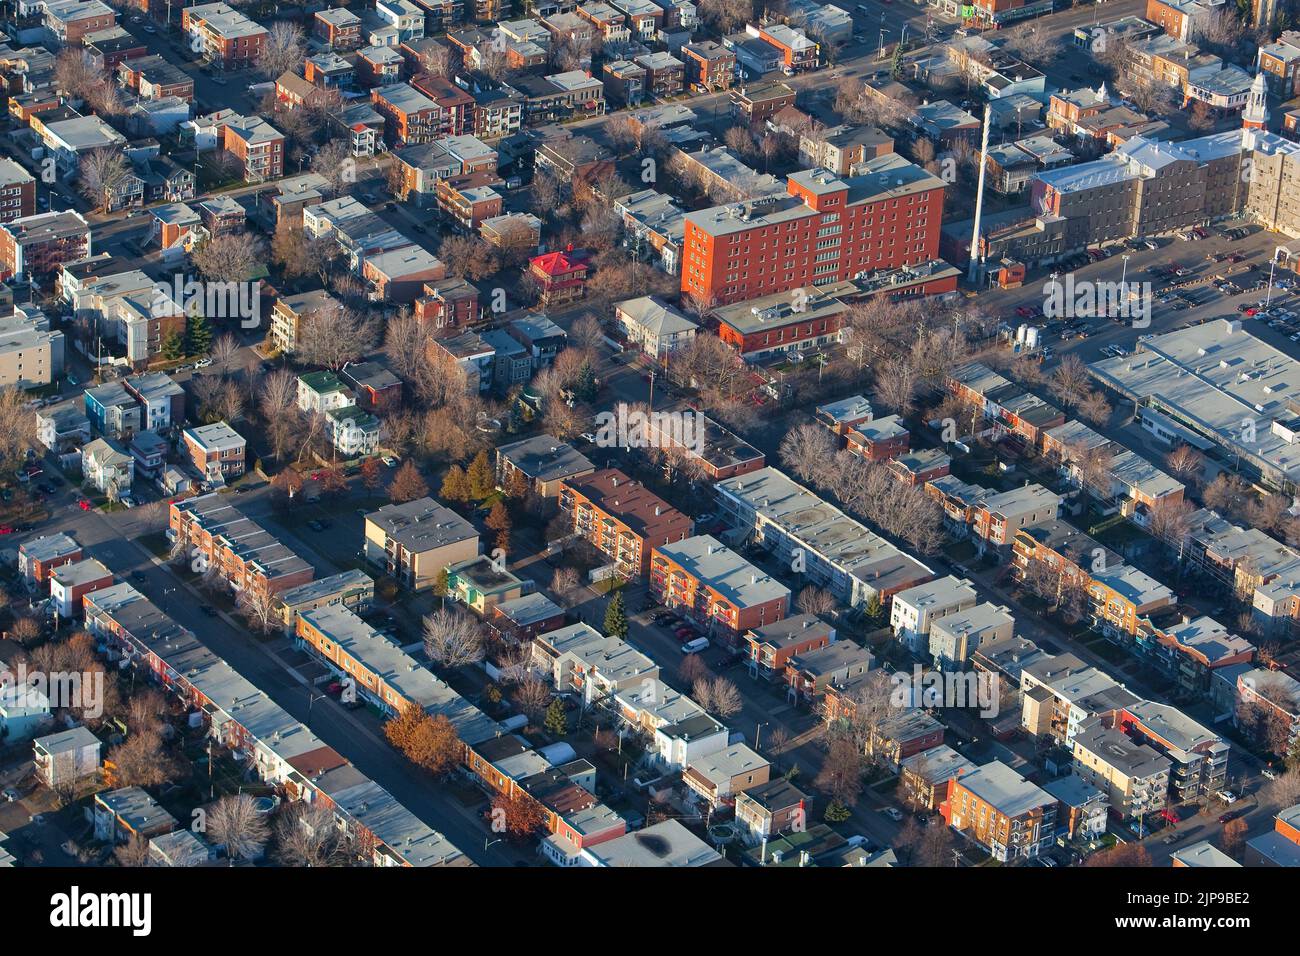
(974, 275)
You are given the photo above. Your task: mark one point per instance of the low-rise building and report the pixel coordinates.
(416, 541)
(716, 586)
(1002, 811)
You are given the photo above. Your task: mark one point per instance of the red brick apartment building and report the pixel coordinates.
(826, 230)
(36, 246)
(446, 305)
(622, 518)
(718, 453)
(455, 107)
(340, 28)
(243, 553)
(709, 66)
(17, 191)
(217, 451)
(226, 37)
(256, 145)
(716, 586)
(70, 24)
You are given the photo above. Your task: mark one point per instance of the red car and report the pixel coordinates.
(83, 504)
(7, 529)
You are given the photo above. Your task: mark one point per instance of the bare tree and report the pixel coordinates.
(565, 584)
(260, 607)
(896, 385)
(101, 174)
(230, 257)
(807, 450)
(223, 352)
(814, 600)
(17, 429)
(306, 835)
(336, 336)
(282, 49)
(452, 639)
(236, 823)
(134, 852)
(532, 696)
(335, 163)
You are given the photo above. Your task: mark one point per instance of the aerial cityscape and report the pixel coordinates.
(649, 433)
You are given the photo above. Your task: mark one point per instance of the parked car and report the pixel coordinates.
(1227, 796)
(695, 646)
(893, 813)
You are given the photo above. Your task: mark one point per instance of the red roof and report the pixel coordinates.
(559, 263)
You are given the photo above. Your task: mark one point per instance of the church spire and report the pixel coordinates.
(1255, 115)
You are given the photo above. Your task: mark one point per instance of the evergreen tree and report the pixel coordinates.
(616, 617)
(585, 387)
(198, 333)
(557, 722)
(443, 584)
(173, 346)
(455, 486)
(482, 482)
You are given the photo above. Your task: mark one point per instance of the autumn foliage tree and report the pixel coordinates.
(408, 484)
(518, 815)
(1123, 854)
(428, 742)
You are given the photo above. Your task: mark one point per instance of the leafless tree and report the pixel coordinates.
(17, 429)
(230, 257)
(724, 698)
(223, 352)
(283, 49)
(134, 852)
(814, 600)
(260, 607)
(565, 584)
(306, 835)
(1185, 463)
(235, 822)
(101, 173)
(1070, 380)
(452, 639)
(334, 162)
(896, 385)
(532, 696)
(336, 336)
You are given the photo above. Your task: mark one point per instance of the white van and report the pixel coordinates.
(695, 646)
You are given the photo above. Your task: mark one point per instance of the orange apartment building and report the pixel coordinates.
(217, 535)
(827, 229)
(622, 518)
(1002, 811)
(709, 66)
(716, 586)
(771, 646)
(256, 145)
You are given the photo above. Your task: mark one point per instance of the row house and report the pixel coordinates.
(835, 551)
(720, 777)
(676, 728)
(411, 118)
(608, 21)
(330, 71)
(956, 638)
(827, 677)
(423, 166)
(447, 305)
(665, 75)
(1198, 756)
(378, 66)
(1059, 693)
(17, 191)
(280, 750)
(1010, 407)
(579, 659)
(513, 232)
(1189, 650)
(471, 199)
(153, 77)
(924, 776)
(218, 536)
(397, 274)
(716, 586)
(354, 590)
(622, 518)
(625, 82)
(455, 107)
(993, 517)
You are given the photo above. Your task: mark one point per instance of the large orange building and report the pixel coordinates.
(828, 229)
(716, 586)
(622, 518)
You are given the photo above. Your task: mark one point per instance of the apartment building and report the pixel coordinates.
(771, 646)
(243, 554)
(622, 518)
(1199, 757)
(417, 540)
(255, 145)
(70, 582)
(956, 637)
(17, 191)
(716, 586)
(338, 27)
(913, 611)
(67, 22)
(710, 67)
(1002, 811)
(292, 313)
(226, 37)
(543, 462)
(834, 551)
(35, 247)
(807, 317)
(827, 229)
(924, 776)
(31, 353)
(815, 675)
(354, 590)
(216, 451)
(38, 557)
(1134, 776)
